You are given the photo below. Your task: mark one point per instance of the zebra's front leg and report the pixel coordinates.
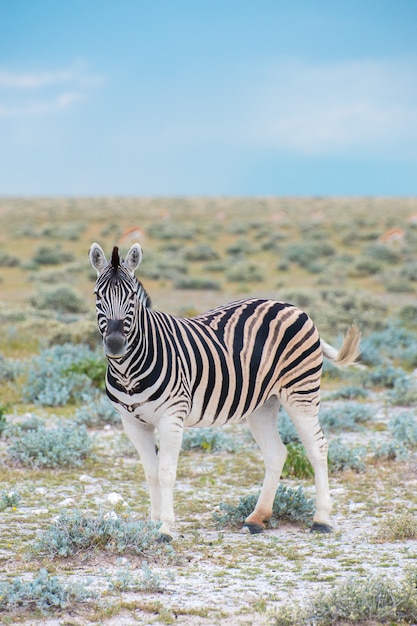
(143, 438)
(170, 439)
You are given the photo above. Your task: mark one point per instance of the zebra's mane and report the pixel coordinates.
(115, 258)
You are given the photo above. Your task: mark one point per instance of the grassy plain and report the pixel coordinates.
(344, 261)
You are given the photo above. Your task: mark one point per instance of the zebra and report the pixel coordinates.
(234, 363)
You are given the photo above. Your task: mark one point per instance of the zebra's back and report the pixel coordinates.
(248, 351)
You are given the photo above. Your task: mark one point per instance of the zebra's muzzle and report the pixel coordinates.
(114, 341)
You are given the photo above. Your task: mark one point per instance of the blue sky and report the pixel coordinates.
(208, 97)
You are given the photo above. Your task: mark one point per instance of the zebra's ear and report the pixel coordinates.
(97, 258)
(133, 258)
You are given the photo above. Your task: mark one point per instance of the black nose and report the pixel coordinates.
(115, 327)
(114, 341)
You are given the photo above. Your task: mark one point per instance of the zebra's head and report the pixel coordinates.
(117, 295)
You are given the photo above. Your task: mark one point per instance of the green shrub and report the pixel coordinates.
(244, 271)
(342, 457)
(297, 464)
(46, 255)
(289, 504)
(404, 391)
(208, 439)
(9, 499)
(63, 446)
(370, 600)
(44, 593)
(171, 230)
(61, 299)
(396, 527)
(287, 429)
(346, 416)
(404, 429)
(50, 381)
(77, 532)
(202, 252)
(8, 260)
(182, 282)
(97, 412)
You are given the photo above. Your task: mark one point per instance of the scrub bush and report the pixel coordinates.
(45, 593)
(342, 457)
(77, 532)
(58, 376)
(289, 504)
(63, 446)
(209, 440)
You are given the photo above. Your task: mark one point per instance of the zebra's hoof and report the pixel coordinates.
(163, 538)
(317, 527)
(254, 529)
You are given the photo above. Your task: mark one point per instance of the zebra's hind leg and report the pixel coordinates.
(305, 419)
(263, 425)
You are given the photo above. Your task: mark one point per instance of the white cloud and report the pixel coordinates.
(327, 108)
(27, 94)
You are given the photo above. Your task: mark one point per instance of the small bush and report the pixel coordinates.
(404, 429)
(346, 416)
(297, 464)
(76, 532)
(46, 255)
(63, 446)
(202, 252)
(404, 391)
(209, 440)
(8, 260)
(349, 392)
(287, 429)
(206, 284)
(244, 271)
(61, 299)
(97, 412)
(44, 593)
(50, 381)
(396, 527)
(342, 457)
(171, 230)
(357, 601)
(289, 504)
(125, 580)
(9, 499)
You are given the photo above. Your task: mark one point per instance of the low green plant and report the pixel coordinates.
(97, 412)
(61, 299)
(396, 527)
(404, 429)
(78, 532)
(126, 580)
(373, 600)
(346, 416)
(193, 282)
(47, 255)
(9, 499)
(63, 446)
(287, 429)
(45, 593)
(342, 457)
(209, 440)
(289, 504)
(297, 464)
(58, 376)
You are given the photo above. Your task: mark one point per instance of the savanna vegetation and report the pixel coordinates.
(76, 546)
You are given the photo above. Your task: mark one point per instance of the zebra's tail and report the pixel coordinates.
(349, 351)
